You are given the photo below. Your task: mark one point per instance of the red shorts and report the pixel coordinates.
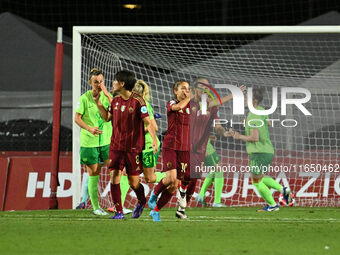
(132, 161)
(179, 160)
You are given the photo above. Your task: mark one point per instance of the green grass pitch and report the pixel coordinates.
(208, 231)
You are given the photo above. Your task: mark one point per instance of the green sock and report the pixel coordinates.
(85, 195)
(271, 183)
(219, 183)
(124, 187)
(159, 176)
(265, 193)
(207, 182)
(93, 191)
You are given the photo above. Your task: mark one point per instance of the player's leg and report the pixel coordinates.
(149, 166)
(124, 187)
(190, 189)
(258, 161)
(117, 162)
(206, 184)
(85, 194)
(169, 164)
(218, 189)
(266, 194)
(93, 186)
(183, 169)
(285, 191)
(133, 170)
(188, 184)
(116, 193)
(166, 194)
(103, 159)
(90, 157)
(99, 211)
(212, 160)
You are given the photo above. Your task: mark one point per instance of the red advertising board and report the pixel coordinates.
(28, 184)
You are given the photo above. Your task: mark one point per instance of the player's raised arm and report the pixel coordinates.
(224, 99)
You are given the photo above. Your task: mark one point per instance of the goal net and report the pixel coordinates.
(306, 146)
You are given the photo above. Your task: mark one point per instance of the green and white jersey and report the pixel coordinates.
(87, 107)
(148, 137)
(259, 122)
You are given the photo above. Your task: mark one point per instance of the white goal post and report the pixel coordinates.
(246, 69)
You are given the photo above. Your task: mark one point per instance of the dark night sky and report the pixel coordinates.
(67, 13)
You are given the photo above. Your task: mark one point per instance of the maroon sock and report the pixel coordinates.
(165, 198)
(159, 188)
(191, 189)
(116, 197)
(140, 194)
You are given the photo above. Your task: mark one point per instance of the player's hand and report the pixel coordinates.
(229, 133)
(237, 136)
(155, 146)
(124, 172)
(104, 89)
(95, 131)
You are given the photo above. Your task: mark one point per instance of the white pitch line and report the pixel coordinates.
(191, 219)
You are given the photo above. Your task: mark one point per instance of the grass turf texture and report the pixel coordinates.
(209, 231)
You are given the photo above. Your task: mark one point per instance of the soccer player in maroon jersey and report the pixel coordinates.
(200, 128)
(128, 113)
(176, 146)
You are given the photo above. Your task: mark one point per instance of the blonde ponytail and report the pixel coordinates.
(142, 89)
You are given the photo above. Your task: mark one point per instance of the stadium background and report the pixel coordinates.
(27, 53)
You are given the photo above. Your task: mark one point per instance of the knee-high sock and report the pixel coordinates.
(159, 176)
(190, 189)
(218, 188)
(265, 193)
(207, 182)
(159, 188)
(93, 191)
(163, 200)
(124, 187)
(85, 195)
(116, 197)
(271, 183)
(140, 194)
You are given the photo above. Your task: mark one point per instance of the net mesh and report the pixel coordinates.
(310, 61)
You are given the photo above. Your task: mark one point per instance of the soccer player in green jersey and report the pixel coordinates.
(149, 158)
(212, 159)
(94, 136)
(261, 151)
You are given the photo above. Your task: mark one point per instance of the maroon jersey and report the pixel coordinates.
(201, 126)
(177, 136)
(128, 127)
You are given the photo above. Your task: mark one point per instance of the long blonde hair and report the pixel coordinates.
(142, 89)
